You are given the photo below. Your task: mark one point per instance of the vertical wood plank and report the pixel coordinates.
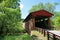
(54, 38)
(47, 35)
(44, 32)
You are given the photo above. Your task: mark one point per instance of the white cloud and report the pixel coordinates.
(21, 6)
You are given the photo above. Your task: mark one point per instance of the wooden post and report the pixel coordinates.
(54, 38)
(44, 32)
(33, 23)
(39, 29)
(47, 35)
(49, 23)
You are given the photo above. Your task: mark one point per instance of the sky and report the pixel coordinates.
(25, 5)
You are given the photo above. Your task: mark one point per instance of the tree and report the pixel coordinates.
(48, 6)
(11, 16)
(10, 3)
(57, 19)
(2, 21)
(37, 7)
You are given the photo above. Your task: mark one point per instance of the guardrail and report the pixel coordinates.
(42, 31)
(50, 36)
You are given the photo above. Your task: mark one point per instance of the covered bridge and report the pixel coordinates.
(40, 19)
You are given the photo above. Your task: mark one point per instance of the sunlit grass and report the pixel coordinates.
(39, 35)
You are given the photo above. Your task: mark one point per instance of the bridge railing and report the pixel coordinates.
(50, 36)
(42, 31)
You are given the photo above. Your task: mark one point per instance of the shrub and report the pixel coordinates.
(16, 37)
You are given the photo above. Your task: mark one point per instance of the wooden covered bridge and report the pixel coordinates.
(39, 19)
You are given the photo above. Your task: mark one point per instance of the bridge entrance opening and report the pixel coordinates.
(41, 22)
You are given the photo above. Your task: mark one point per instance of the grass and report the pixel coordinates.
(35, 35)
(16, 37)
(39, 35)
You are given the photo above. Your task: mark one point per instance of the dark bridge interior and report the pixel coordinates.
(41, 22)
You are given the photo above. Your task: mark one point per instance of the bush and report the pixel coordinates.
(16, 37)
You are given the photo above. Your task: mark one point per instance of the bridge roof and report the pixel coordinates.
(42, 13)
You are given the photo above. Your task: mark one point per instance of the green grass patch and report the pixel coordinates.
(16, 37)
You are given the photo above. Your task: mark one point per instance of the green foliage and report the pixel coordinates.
(48, 6)
(10, 3)
(56, 20)
(37, 7)
(10, 21)
(40, 6)
(10, 16)
(16, 37)
(2, 21)
(13, 20)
